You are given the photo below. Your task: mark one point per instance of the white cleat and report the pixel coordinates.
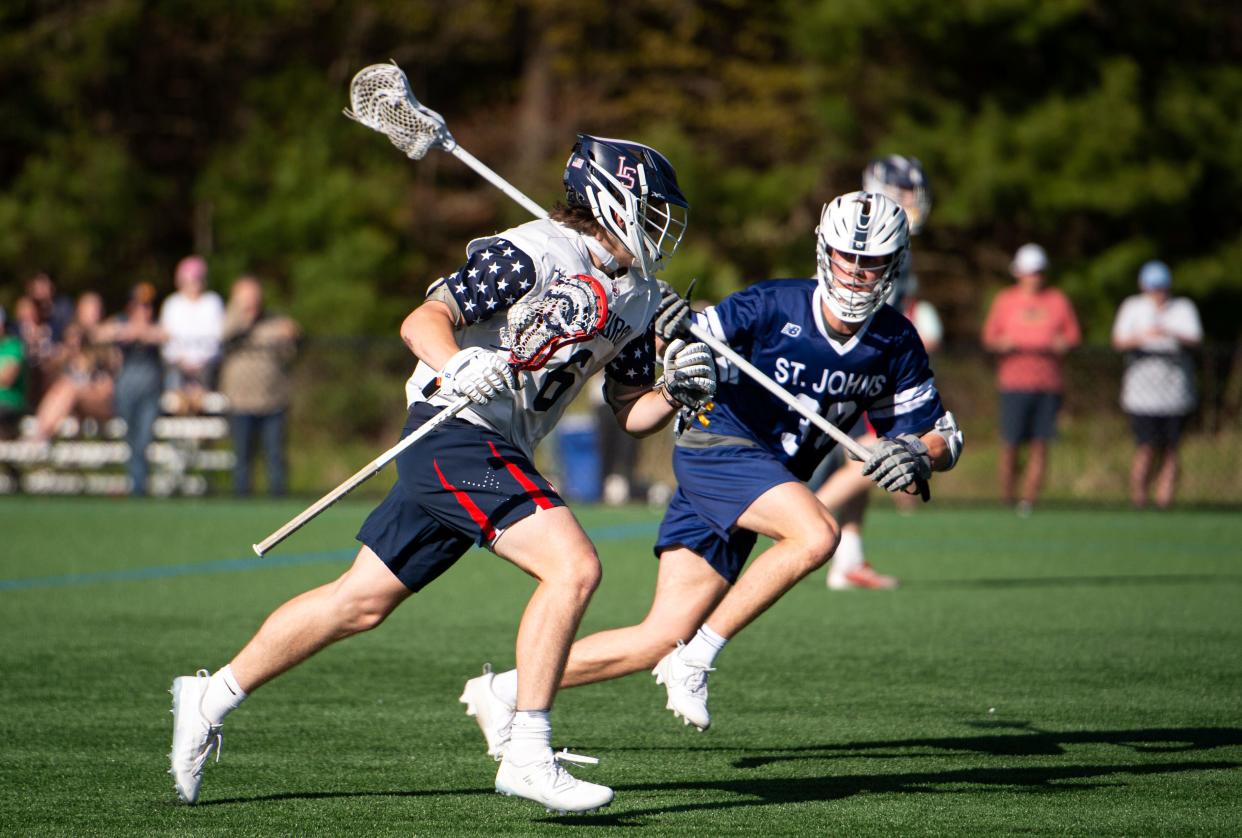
(686, 682)
(494, 715)
(546, 782)
(194, 738)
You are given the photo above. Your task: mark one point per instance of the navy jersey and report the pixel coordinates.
(779, 327)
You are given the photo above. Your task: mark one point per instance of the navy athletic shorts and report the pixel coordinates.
(460, 486)
(715, 486)
(1027, 415)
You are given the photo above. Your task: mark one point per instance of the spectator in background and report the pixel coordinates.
(12, 381)
(56, 310)
(193, 319)
(1030, 327)
(38, 348)
(259, 349)
(84, 385)
(140, 381)
(1157, 332)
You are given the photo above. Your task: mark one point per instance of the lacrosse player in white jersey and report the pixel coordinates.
(841, 484)
(742, 462)
(472, 481)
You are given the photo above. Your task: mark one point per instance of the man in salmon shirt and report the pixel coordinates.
(1030, 327)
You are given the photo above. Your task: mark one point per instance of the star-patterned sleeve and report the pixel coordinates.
(494, 278)
(634, 365)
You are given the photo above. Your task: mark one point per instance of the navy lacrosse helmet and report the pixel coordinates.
(631, 189)
(902, 179)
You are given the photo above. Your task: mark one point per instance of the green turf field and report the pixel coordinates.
(1079, 672)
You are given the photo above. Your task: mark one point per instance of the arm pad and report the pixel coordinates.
(947, 427)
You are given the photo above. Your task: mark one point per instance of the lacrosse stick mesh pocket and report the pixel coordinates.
(380, 98)
(571, 310)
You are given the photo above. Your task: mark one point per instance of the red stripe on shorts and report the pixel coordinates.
(476, 514)
(536, 494)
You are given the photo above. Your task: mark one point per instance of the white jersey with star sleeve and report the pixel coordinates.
(524, 261)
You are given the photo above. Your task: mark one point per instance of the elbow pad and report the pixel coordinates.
(947, 427)
(439, 291)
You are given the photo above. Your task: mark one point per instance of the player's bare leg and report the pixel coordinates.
(687, 589)
(805, 535)
(357, 601)
(848, 494)
(551, 547)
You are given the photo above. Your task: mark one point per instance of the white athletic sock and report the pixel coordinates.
(530, 738)
(222, 696)
(504, 685)
(704, 646)
(849, 554)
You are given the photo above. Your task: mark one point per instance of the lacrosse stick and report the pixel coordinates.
(380, 98)
(573, 309)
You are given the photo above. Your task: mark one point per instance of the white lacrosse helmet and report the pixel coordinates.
(632, 190)
(860, 248)
(902, 179)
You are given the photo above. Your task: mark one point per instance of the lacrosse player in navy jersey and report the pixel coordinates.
(742, 461)
(472, 481)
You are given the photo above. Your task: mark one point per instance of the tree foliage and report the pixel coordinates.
(134, 132)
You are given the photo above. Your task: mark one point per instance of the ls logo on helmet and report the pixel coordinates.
(625, 173)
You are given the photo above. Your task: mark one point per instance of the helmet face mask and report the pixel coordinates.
(861, 246)
(631, 190)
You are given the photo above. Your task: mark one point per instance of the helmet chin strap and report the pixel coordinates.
(607, 261)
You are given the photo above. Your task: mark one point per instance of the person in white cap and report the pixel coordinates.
(1157, 332)
(1029, 327)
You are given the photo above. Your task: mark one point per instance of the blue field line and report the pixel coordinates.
(616, 532)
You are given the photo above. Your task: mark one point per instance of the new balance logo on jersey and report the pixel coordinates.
(791, 329)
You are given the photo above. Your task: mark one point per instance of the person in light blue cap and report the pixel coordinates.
(1157, 332)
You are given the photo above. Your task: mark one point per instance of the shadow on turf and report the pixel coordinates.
(1082, 581)
(785, 790)
(1029, 741)
(793, 790)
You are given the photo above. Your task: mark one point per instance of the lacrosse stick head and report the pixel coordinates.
(380, 98)
(571, 310)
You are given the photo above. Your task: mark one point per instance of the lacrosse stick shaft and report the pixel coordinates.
(719, 347)
(497, 181)
(725, 351)
(363, 475)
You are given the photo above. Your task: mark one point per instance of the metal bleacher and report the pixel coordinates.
(88, 458)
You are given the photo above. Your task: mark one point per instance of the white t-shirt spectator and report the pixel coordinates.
(194, 328)
(1159, 379)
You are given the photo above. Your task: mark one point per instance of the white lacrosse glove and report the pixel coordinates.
(478, 374)
(689, 373)
(898, 463)
(673, 316)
